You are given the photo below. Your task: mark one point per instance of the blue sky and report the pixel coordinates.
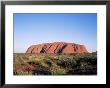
(29, 29)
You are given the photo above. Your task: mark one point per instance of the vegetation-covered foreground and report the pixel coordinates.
(55, 64)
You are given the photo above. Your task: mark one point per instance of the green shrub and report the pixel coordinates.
(59, 72)
(68, 62)
(48, 62)
(34, 62)
(42, 70)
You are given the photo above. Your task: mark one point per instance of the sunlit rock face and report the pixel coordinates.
(57, 47)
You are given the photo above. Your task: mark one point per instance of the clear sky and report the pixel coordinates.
(29, 29)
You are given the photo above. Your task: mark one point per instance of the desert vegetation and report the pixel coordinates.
(55, 64)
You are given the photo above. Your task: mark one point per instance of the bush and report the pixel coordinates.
(34, 62)
(42, 71)
(60, 63)
(68, 62)
(59, 72)
(48, 62)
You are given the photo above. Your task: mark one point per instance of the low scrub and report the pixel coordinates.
(55, 64)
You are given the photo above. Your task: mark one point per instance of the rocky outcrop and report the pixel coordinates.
(57, 47)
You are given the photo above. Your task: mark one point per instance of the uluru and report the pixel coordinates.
(57, 47)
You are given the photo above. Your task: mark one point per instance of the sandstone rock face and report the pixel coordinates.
(57, 47)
